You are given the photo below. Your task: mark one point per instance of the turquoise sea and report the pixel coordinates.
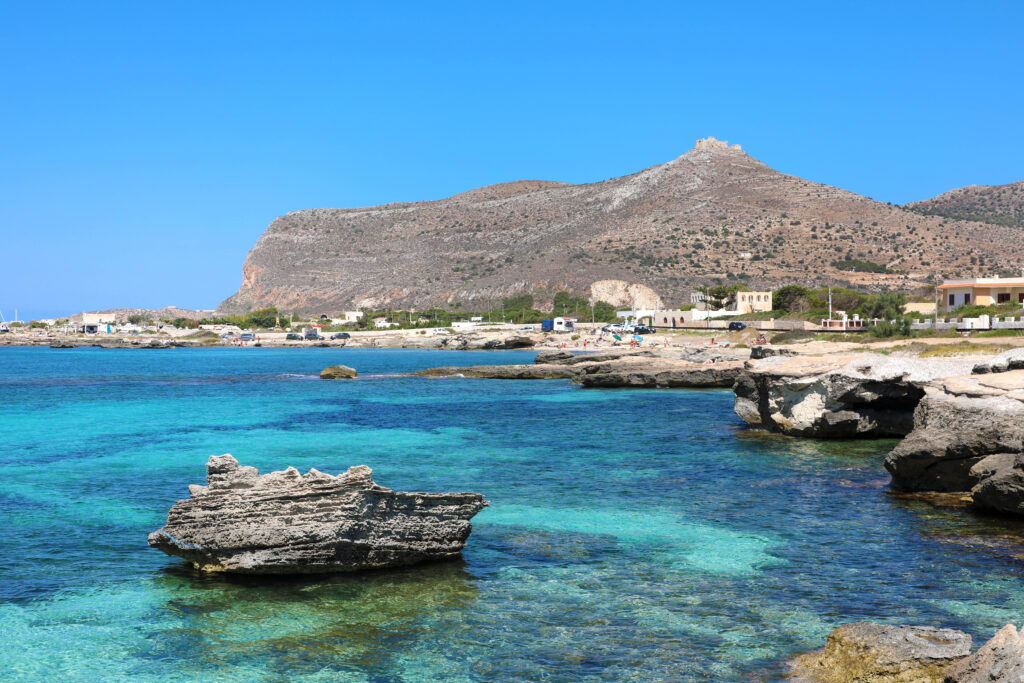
(632, 535)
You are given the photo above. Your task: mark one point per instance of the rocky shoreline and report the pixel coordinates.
(962, 422)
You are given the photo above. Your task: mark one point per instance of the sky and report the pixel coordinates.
(145, 146)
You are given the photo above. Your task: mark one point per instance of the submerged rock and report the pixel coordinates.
(291, 523)
(338, 372)
(1000, 659)
(872, 653)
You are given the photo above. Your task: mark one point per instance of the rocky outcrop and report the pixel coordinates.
(1008, 360)
(762, 351)
(839, 396)
(621, 294)
(338, 372)
(479, 342)
(1000, 659)
(875, 653)
(291, 523)
(533, 371)
(658, 373)
(554, 357)
(968, 436)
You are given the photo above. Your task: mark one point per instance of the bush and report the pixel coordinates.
(897, 328)
(859, 266)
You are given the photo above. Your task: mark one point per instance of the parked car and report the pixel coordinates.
(440, 330)
(247, 337)
(293, 336)
(341, 335)
(312, 334)
(736, 325)
(525, 328)
(614, 327)
(643, 329)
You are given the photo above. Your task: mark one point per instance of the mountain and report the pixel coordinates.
(714, 214)
(995, 204)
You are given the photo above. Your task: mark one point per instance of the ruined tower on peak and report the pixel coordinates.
(712, 143)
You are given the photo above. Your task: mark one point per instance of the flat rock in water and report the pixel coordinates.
(526, 371)
(290, 523)
(338, 372)
(875, 653)
(655, 372)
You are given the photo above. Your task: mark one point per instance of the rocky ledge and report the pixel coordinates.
(658, 373)
(291, 523)
(968, 435)
(866, 652)
(698, 367)
(838, 396)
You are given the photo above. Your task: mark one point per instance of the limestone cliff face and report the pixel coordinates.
(711, 212)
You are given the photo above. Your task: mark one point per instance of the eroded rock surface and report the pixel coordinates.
(1000, 659)
(968, 436)
(875, 653)
(838, 396)
(291, 523)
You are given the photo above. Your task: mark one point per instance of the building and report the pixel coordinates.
(981, 291)
(753, 302)
(712, 143)
(924, 308)
(347, 317)
(98, 318)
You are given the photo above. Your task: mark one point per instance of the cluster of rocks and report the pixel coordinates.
(291, 523)
(865, 652)
(963, 422)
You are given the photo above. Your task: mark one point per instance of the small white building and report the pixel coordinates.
(348, 317)
(98, 319)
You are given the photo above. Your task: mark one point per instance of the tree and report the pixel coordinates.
(263, 318)
(887, 306)
(137, 319)
(604, 312)
(792, 299)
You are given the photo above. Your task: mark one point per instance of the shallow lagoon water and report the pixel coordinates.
(632, 534)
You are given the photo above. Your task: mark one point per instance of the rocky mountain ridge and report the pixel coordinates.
(996, 204)
(712, 215)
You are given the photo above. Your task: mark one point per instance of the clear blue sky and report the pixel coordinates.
(145, 146)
